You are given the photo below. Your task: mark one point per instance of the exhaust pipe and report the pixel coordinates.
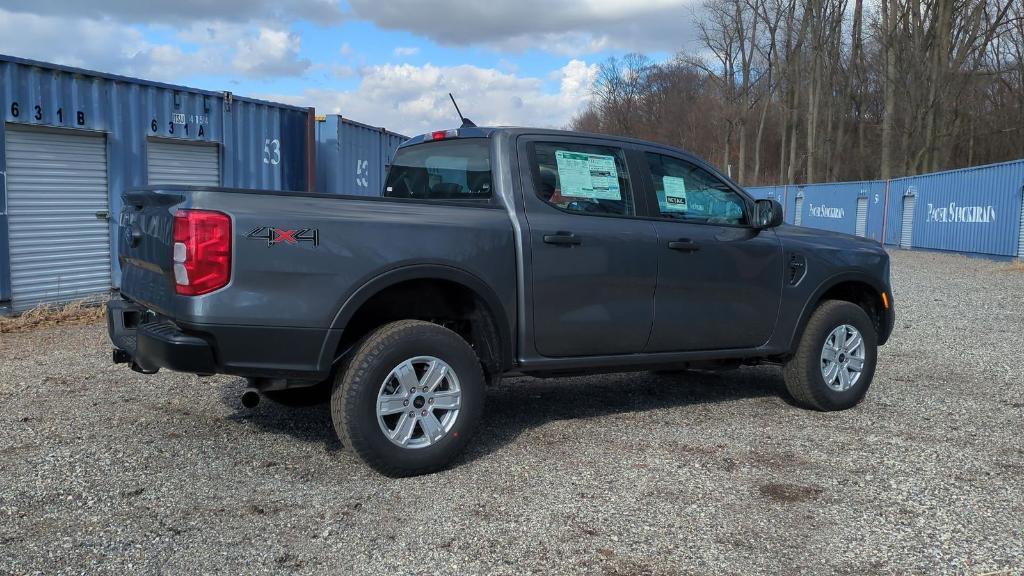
(251, 398)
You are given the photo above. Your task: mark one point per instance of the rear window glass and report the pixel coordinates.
(446, 170)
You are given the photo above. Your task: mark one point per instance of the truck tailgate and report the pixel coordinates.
(145, 250)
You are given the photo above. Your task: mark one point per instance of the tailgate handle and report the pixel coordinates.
(103, 215)
(562, 239)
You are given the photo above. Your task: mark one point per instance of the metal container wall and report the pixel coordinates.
(780, 193)
(352, 157)
(833, 206)
(970, 210)
(262, 144)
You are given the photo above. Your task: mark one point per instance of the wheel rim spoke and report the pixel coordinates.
(392, 404)
(435, 374)
(831, 373)
(432, 429)
(447, 400)
(828, 353)
(854, 342)
(855, 364)
(403, 431)
(406, 375)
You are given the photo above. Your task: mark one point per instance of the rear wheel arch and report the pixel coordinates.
(446, 295)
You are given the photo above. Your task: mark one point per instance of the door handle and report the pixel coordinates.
(684, 245)
(562, 239)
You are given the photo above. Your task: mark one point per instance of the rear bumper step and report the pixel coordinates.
(149, 344)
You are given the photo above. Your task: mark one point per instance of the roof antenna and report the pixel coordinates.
(466, 122)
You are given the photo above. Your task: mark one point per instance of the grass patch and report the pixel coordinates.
(45, 316)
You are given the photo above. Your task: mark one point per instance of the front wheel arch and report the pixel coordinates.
(848, 287)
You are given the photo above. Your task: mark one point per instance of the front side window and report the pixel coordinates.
(688, 192)
(583, 178)
(444, 170)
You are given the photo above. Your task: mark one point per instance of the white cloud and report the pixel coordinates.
(402, 51)
(579, 27)
(108, 46)
(183, 12)
(414, 99)
(271, 53)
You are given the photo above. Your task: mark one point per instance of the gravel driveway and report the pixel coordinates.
(106, 471)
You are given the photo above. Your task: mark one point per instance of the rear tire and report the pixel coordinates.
(835, 359)
(409, 399)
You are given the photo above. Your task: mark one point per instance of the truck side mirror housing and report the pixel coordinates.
(767, 214)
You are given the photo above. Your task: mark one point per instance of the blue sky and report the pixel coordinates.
(387, 63)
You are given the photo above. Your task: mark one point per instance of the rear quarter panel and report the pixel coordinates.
(304, 285)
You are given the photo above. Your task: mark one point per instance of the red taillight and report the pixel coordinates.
(202, 251)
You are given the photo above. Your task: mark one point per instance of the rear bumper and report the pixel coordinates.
(150, 344)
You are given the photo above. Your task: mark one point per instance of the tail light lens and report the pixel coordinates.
(202, 251)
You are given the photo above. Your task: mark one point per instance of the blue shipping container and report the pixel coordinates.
(352, 158)
(970, 210)
(140, 128)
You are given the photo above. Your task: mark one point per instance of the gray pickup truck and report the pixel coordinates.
(492, 251)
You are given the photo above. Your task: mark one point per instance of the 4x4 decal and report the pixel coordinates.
(280, 235)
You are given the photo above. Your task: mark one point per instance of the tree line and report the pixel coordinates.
(803, 91)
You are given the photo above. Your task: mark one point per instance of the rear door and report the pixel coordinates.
(594, 261)
(719, 280)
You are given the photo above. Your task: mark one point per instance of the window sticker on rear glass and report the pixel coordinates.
(675, 193)
(583, 175)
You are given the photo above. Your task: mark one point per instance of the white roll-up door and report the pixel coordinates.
(182, 163)
(57, 209)
(799, 216)
(1020, 241)
(907, 228)
(862, 217)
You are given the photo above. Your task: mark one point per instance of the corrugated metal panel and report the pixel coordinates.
(264, 145)
(907, 225)
(182, 163)
(352, 158)
(862, 216)
(799, 211)
(56, 185)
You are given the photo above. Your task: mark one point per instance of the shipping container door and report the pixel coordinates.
(907, 228)
(862, 217)
(57, 207)
(798, 218)
(183, 163)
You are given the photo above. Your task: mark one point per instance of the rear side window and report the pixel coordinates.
(583, 178)
(445, 170)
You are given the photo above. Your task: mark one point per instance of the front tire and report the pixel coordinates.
(409, 399)
(835, 359)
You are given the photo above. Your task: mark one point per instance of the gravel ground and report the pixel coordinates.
(106, 471)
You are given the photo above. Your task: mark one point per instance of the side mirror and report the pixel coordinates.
(767, 214)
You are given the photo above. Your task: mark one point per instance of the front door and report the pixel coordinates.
(719, 280)
(594, 263)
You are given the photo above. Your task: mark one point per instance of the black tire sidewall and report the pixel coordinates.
(829, 317)
(377, 358)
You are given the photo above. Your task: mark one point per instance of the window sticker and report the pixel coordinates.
(584, 175)
(675, 193)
